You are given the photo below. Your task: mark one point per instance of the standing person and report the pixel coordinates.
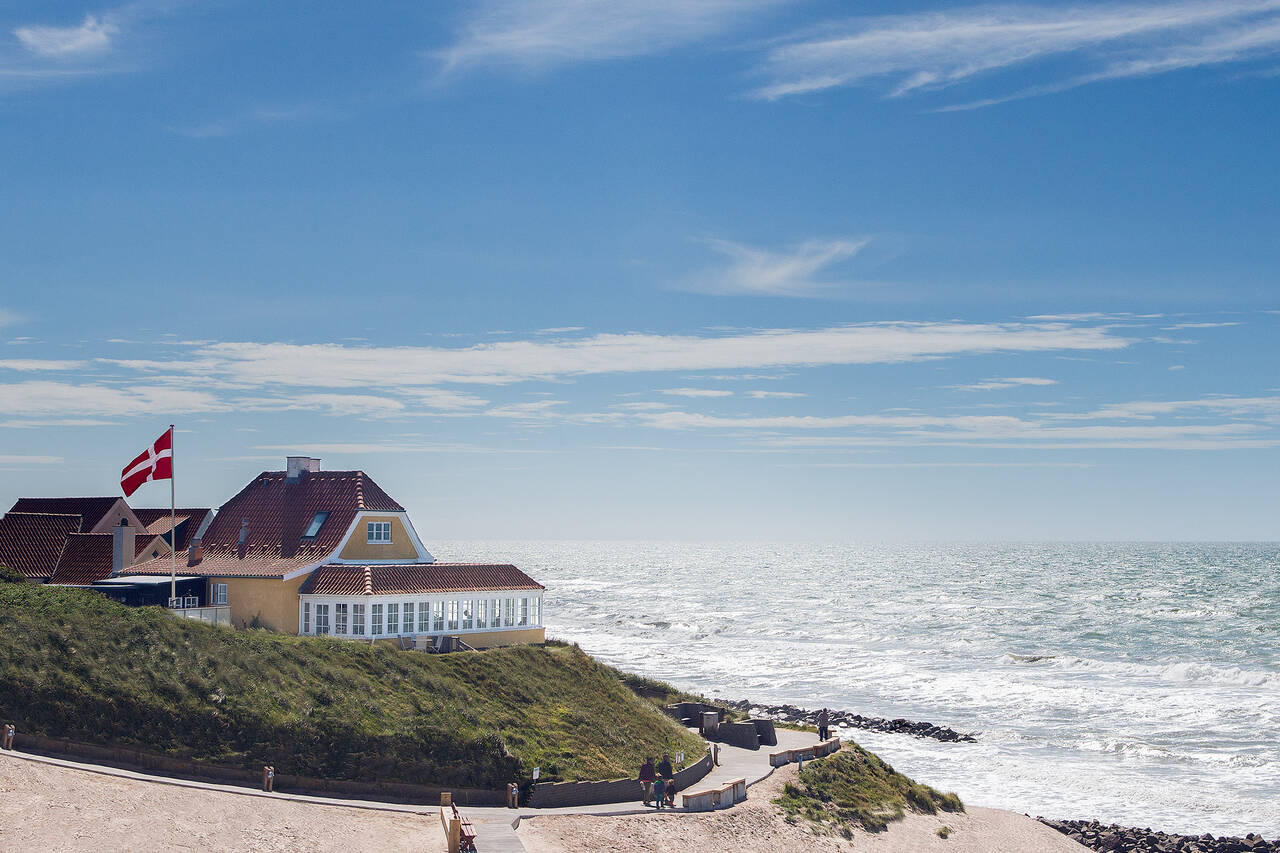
(664, 768)
(660, 792)
(824, 724)
(647, 775)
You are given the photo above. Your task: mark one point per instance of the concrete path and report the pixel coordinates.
(495, 826)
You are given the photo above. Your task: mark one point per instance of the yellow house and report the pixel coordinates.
(307, 551)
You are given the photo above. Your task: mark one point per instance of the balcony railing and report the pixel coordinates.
(218, 614)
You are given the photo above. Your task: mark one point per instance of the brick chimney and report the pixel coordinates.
(296, 466)
(195, 552)
(244, 538)
(122, 547)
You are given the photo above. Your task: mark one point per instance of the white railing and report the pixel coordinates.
(214, 615)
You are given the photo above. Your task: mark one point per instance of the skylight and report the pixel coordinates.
(316, 524)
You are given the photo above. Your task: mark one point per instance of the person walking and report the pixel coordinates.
(660, 792)
(824, 724)
(664, 768)
(647, 775)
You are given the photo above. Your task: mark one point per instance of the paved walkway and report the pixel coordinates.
(495, 826)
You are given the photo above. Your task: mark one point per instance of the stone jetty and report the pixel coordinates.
(1126, 839)
(848, 719)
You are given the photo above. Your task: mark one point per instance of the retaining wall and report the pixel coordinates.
(549, 795)
(742, 734)
(143, 761)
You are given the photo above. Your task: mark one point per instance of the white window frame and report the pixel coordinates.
(375, 619)
(482, 614)
(357, 620)
(406, 617)
(322, 619)
(452, 621)
(378, 533)
(424, 617)
(306, 617)
(340, 617)
(524, 613)
(393, 618)
(219, 594)
(437, 616)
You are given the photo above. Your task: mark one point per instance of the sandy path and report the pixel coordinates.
(756, 826)
(56, 808)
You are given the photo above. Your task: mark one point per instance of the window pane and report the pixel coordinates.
(375, 618)
(306, 618)
(322, 618)
(453, 615)
(437, 616)
(316, 523)
(357, 619)
(393, 618)
(340, 618)
(468, 620)
(408, 617)
(482, 613)
(424, 621)
(524, 611)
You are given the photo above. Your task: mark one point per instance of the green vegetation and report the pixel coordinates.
(855, 787)
(943, 832)
(75, 664)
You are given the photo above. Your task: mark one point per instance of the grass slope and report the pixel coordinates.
(854, 787)
(74, 664)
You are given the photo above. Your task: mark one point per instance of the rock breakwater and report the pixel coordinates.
(848, 719)
(1125, 839)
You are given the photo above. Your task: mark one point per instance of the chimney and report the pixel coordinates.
(122, 544)
(244, 538)
(195, 552)
(296, 466)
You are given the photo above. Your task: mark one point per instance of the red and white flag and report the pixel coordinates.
(154, 463)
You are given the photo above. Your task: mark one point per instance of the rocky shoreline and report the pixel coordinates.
(1126, 839)
(848, 719)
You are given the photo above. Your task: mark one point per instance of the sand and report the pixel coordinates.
(756, 825)
(44, 807)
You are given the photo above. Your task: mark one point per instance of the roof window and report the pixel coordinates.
(316, 524)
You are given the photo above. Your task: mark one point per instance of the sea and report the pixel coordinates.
(1134, 683)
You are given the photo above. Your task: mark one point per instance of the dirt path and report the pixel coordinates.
(757, 826)
(56, 808)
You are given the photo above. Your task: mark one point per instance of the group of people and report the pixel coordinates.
(658, 783)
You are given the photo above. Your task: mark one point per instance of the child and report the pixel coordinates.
(671, 794)
(660, 791)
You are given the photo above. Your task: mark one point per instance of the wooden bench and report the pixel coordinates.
(459, 832)
(731, 792)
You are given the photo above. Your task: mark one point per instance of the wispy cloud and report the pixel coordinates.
(91, 36)
(30, 365)
(10, 318)
(753, 271)
(534, 34)
(257, 116)
(697, 392)
(1002, 382)
(774, 395)
(1069, 46)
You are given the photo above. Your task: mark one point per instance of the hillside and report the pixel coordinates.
(74, 664)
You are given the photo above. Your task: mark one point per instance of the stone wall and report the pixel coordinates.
(164, 765)
(548, 795)
(742, 734)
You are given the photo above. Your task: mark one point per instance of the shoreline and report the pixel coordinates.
(1094, 834)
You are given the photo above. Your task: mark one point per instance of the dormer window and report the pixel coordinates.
(316, 523)
(379, 533)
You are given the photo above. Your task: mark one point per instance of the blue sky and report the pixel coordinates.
(655, 269)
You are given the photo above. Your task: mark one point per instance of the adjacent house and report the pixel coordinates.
(308, 551)
(79, 541)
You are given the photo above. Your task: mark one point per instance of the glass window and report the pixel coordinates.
(357, 619)
(468, 618)
(408, 617)
(379, 533)
(495, 613)
(393, 618)
(316, 523)
(322, 618)
(219, 593)
(340, 618)
(508, 612)
(437, 616)
(482, 613)
(453, 615)
(424, 617)
(537, 611)
(524, 611)
(306, 617)
(375, 618)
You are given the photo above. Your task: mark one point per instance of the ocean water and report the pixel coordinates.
(1135, 683)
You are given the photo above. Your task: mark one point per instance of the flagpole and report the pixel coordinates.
(173, 536)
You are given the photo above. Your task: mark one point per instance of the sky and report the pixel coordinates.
(655, 269)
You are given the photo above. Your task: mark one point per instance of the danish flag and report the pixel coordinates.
(154, 463)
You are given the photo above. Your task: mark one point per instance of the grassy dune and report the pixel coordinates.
(855, 788)
(74, 664)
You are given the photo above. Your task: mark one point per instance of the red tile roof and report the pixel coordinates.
(278, 513)
(90, 510)
(31, 542)
(85, 559)
(187, 520)
(415, 578)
